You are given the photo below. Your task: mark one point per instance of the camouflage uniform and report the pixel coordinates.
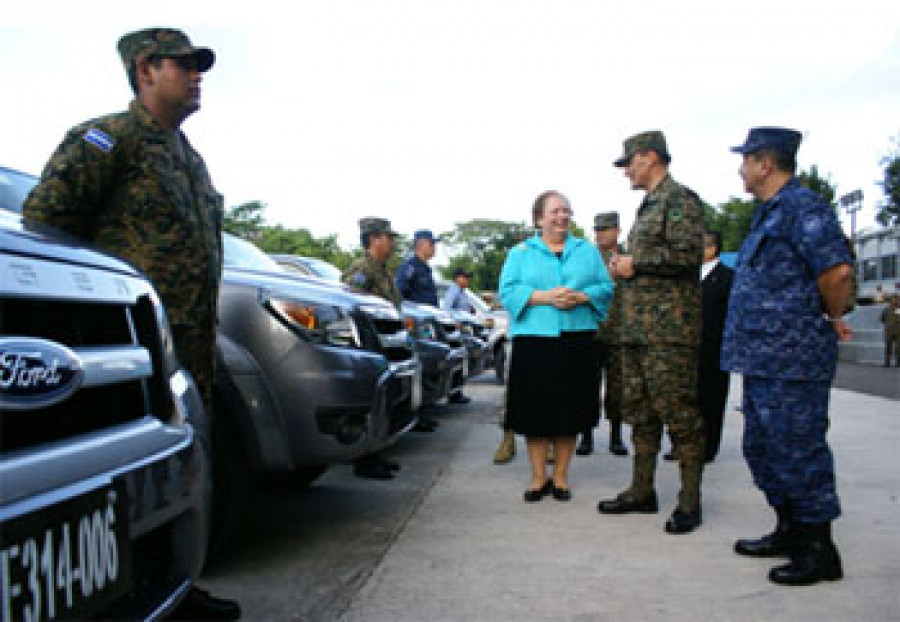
(142, 193)
(610, 350)
(660, 335)
(890, 317)
(369, 275)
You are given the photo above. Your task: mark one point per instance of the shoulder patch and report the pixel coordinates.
(359, 278)
(101, 140)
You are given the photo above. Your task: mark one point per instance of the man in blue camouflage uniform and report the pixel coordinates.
(414, 279)
(131, 184)
(792, 280)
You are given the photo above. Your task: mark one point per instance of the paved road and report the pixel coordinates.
(869, 379)
(450, 538)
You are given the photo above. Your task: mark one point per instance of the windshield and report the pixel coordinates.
(14, 187)
(241, 254)
(323, 268)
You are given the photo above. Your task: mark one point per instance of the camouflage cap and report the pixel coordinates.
(375, 226)
(606, 220)
(162, 42)
(652, 140)
(779, 139)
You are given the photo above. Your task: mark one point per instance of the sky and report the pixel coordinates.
(431, 113)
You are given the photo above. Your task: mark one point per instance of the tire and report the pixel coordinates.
(500, 362)
(230, 482)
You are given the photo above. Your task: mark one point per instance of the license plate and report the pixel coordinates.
(66, 561)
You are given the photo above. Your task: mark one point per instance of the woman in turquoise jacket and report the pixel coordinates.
(556, 290)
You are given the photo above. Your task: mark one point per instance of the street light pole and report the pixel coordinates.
(852, 203)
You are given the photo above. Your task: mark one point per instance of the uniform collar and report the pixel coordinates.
(767, 206)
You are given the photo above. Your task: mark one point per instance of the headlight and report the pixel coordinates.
(317, 322)
(422, 330)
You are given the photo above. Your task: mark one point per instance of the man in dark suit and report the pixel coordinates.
(712, 391)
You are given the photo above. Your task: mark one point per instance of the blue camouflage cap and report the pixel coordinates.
(779, 139)
(424, 234)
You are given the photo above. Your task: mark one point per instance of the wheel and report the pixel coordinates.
(230, 482)
(500, 362)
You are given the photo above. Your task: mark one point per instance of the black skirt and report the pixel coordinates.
(554, 385)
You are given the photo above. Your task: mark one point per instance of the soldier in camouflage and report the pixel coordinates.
(606, 236)
(890, 317)
(370, 275)
(131, 184)
(660, 331)
(791, 285)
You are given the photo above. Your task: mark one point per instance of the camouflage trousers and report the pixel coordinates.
(610, 361)
(785, 425)
(659, 387)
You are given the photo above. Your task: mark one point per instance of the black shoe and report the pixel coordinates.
(779, 543)
(531, 495)
(201, 605)
(459, 398)
(670, 456)
(393, 465)
(370, 468)
(815, 558)
(586, 446)
(683, 522)
(561, 494)
(425, 425)
(617, 448)
(624, 503)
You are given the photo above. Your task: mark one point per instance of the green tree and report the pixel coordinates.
(245, 220)
(480, 246)
(889, 210)
(731, 219)
(819, 184)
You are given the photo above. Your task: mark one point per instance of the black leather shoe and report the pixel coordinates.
(617, 448)
(683, 522)
(624, 503)
(531, 495)
(201, 605)
(393, 465)
(585, 447)
(771, 545)
(370, 468)
(561, 494)
(459, 398)
(425, 425)
(669, 456)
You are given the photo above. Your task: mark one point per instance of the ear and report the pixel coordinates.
(143, 72)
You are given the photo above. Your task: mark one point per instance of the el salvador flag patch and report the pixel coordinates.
(100, 140)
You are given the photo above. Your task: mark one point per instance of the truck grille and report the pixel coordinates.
(119, 347)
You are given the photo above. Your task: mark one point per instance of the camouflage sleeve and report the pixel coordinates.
(677, 248)
(356, 278)
(75, 181)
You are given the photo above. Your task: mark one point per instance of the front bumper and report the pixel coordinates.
(162, 471)
(442, 369)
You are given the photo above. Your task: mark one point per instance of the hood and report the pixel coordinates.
(297, 286)
(43, 242)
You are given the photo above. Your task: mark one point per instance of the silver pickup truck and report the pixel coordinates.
(104, 480)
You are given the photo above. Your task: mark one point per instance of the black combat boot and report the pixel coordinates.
(776, 544)
(586, 446)
(815, 557)
(616, 446)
